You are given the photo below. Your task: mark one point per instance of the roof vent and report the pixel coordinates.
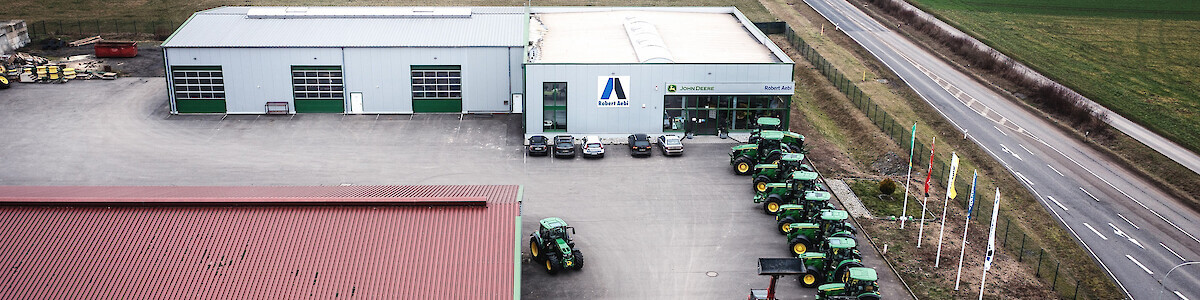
(647, 43)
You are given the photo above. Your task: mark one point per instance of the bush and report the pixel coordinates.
(887, 186)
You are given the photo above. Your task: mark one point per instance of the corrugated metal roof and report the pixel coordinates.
(350, 27)
(274, 252)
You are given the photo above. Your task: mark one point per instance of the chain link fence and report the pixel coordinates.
(1028, 252)
(157, 30)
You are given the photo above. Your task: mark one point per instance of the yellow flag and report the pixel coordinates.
(953, 170)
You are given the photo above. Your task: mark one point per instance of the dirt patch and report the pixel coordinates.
(890, 164)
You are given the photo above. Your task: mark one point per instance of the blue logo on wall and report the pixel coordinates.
(613, 91)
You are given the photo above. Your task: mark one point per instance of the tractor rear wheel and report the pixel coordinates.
(775, 157)
(869, 296)
(534, 251)
(811, 278)
(760, 183)
(553, 264)
(772, 205)
(842, 274)
(742, 165)
(785, 225)
(578, 260)
(800, 245)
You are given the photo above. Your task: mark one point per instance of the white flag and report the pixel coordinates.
(991, 249)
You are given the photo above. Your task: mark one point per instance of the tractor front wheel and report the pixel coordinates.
(800, 245)
(553, 265)
(578, 260)
(533, 250)
(760, 183)
(811, 278)
(742, 165)
(772, 205)
(869, 296)
(785, 225)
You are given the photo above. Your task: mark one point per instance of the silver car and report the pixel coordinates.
(670, 145)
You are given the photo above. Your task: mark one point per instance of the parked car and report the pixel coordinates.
(564, 145)
(592, 146)
(670, 144)
(639, 144)
(537, 146)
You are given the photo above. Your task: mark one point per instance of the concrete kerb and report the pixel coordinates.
(864, 233)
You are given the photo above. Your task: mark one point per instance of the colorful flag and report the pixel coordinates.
(971, 202)
(912, 145)
(991, 249)
(929, 174)
(953, 171)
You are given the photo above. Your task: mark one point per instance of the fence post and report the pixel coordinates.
(97, 27)
(1038, 273)
(1006, 223)
(1021, 256)
(1076, 296)
(1054, 283)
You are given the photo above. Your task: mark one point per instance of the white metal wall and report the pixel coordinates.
(255, 76)
(647, 88)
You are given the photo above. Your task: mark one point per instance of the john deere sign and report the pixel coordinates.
(778, 88)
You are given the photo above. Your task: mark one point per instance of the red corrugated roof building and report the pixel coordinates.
(371, 242)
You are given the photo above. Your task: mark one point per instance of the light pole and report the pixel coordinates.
(1160, 281)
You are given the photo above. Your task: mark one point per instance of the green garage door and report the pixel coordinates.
(437, 89)
(198, 89)
(318, 89)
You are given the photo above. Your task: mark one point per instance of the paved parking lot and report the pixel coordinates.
(650, 228)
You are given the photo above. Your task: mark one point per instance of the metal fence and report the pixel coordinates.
(79, 28)
(1045, 266)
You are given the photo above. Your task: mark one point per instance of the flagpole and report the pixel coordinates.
(937, 259)
(991, 249)
(908, 175)
(925, 199)
(966, 225)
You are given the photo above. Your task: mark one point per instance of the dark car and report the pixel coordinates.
(537, 146)
(639, 144)
(564, 145)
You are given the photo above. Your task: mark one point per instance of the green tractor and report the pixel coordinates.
(552, 246)
(858, 284)
(767, 149)
(837, 257)
(805, 212)
(831, 223)
(768, 173)
(778, 194)
(794, 142)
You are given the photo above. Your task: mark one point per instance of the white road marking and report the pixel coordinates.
(1139, 264)
(1026, 149)
(1127, 221)
(1179, 295)
(1120, 233)
(1090, 195)
(1058, 203)
(1025, 179)
(1001, 131)
(1094, 230)
(1014, 154)
(1056, 171)
(1172, 251)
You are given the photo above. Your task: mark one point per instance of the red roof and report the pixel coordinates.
(426, 242)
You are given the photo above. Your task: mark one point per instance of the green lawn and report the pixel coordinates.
(1138, 58)
(175, 11)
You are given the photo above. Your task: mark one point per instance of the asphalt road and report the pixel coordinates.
(650, 228)
(1136, 231)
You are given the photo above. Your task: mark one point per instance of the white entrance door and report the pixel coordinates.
(356, 103)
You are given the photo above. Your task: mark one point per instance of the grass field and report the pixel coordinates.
(175, 11)
(1138, 58)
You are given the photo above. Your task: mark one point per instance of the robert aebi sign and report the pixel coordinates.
(614, 91)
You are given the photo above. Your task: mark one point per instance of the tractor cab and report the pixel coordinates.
(764, 124)
(860, 284)
(839, 249)
(833, 221)
(837, 254)
(767, 149)
(556, 228)
(804, 181)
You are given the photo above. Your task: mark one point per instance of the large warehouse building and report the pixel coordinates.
(609, 71)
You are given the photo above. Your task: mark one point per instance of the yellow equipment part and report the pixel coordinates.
(69, 73)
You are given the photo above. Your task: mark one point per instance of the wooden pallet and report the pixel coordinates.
(86, 41)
